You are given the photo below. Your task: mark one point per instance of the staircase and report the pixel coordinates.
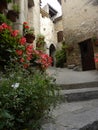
(78, 109)
(79, 92)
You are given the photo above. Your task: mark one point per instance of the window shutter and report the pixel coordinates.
(60, 36)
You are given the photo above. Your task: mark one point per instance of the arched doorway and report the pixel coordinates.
(52, 50)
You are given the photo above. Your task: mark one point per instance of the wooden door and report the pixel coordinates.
(87, 55)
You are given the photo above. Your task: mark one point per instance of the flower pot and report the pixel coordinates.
(39, 45)
(30, 38)
(12, 15)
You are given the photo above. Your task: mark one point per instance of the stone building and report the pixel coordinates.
(44, 21)
(59, 30)
(49, 26)
(29, 12)
(80, 28)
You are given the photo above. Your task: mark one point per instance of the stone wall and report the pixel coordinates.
(58, 27)
(80, 22)
(80, 16)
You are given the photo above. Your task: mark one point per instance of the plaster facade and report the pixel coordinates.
(47, 29)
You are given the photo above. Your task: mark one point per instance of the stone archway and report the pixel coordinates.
(52, 50)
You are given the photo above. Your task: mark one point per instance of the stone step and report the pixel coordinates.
(74, 116)
(78, 85)
(81, 94)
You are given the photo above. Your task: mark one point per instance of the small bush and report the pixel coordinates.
(25, 99)
(3, 19)
(61, 57)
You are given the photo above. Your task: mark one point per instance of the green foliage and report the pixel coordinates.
(61, 56)
(25, 99)
(8, 44)
(3, 19)
(40, 42)
(16, 7)
(9, 1)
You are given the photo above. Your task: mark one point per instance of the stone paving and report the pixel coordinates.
(69, 76)
(74, 115)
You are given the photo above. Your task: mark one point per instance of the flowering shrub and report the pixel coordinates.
(25, 100)
(27, 29)
(9, 39)
(40, 42)
(13, 48)
(28, 33)
(41, 59)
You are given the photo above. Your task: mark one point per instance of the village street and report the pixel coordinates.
(42, 38)
(73, 115)
(69, 76)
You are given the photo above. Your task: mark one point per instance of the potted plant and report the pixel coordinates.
(13, 14)
(40, 41)
(28, 33)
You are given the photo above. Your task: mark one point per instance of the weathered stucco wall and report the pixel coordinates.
(48, 30)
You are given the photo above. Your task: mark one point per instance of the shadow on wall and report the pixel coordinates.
(93, 2)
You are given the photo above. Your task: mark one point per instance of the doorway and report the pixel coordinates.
(87, 55)
(52, 53)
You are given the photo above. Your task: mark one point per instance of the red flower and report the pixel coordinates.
(1, 28)
(29, 57)
(10, 28)
(26, 66)
(22, 60)
(19, 52)
(25, 23)
(96, 60)
(27, 27)
(5, 26)
(29, 49)
(22, 41)
(15, 33)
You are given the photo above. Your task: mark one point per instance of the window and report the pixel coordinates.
(60, 36)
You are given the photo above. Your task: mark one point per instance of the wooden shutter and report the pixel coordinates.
(60, 36)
